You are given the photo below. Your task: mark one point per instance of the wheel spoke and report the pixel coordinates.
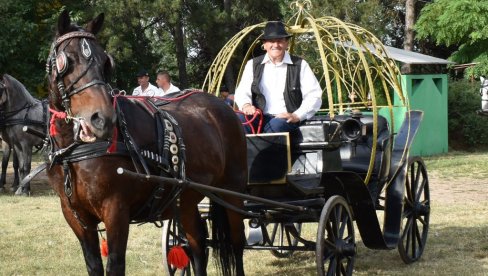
(413, 238)
(344, 222)
(418, 235)
(343, 268)
(408, 190)
(332, 266)
(330, 231)
(337, 219)
(421, 220)
(420, 191)
(407, 227)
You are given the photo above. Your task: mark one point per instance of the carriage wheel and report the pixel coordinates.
(170, 238)
(282, 234)
(336, 246)
(416, 212)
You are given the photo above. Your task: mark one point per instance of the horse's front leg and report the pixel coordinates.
(24, 161)
(15, 164)
(87, 235)
(117, 226)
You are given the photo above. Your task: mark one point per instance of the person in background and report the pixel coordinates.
(281, 85)
(226, 96)
(145, 88)
(163, 80)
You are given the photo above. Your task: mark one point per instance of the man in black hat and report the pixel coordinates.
(283, 86)
(145, 88)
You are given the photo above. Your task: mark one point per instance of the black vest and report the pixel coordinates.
(292, 93)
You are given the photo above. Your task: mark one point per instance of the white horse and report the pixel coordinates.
(484, 94)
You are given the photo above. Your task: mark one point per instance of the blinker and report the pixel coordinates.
(61, 63)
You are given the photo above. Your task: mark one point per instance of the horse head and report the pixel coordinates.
(78, 71)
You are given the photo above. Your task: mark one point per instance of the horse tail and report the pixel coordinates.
(223, 249)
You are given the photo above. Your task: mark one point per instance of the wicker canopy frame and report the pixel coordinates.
(351, 64)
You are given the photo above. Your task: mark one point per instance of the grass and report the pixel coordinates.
(35, 239)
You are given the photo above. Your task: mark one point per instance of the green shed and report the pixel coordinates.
(426, 92)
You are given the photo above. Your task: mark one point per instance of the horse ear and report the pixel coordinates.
(482, 78)
(95, 25)
(63, 22)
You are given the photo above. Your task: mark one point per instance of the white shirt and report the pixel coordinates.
(272, 85)
(151, 91)
(171, 89)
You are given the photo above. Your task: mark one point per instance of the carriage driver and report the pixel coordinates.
(283, 86)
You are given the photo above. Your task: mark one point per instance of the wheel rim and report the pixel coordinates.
(336, 246)
(416, 212)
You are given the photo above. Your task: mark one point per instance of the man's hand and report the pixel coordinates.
(248, 109)
(290, 117)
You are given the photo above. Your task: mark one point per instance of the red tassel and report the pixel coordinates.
(52, 128)
(104, 248)
(177, 257)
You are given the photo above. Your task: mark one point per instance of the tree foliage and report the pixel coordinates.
(181, 36)
(461, 23)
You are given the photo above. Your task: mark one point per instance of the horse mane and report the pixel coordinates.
(12, 84)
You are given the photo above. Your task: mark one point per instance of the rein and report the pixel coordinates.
(249, 121)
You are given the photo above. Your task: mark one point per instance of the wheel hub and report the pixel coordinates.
(344, 248)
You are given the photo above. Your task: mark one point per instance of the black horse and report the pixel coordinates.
(18, 109)
(199, 133)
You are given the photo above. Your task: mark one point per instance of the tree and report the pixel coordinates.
(459, 23)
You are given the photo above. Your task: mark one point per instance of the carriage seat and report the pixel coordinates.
(356, 157)
(319, 132)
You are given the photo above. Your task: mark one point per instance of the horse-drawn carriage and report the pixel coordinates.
(317, 176)
(121, 160)
(347, 163)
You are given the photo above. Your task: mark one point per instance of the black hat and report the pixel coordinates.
(274, 30)
(142, 73)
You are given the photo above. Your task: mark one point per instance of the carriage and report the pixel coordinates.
(349, 163)
(121, 160)
(317, 176)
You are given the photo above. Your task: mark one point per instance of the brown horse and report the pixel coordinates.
(85, 156)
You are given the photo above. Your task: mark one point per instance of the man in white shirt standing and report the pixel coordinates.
(145, 88)
(281, 85)
(163, 80)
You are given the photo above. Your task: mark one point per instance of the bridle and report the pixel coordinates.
(57, 66)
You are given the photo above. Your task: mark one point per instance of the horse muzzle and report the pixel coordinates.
(98, 126)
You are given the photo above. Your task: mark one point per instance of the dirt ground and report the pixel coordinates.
(442, 190)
